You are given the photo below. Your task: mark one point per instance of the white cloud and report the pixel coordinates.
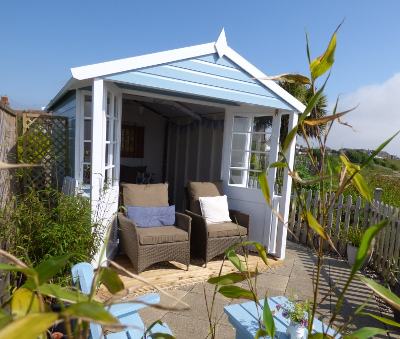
(376, 118)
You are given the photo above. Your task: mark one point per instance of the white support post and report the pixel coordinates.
(286, 190)
(97, 160)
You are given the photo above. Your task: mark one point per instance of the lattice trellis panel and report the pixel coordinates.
(45, 142)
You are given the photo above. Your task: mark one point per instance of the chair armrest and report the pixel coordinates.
(183, 221)
(128, 228)
(243, 219)
(199, 225)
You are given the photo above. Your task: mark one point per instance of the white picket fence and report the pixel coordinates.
(345, 214)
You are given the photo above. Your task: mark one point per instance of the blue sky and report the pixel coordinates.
(42, 40)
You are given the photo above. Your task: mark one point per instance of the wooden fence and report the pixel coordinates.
(344, 214)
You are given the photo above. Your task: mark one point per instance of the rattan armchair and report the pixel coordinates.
(210, 240)
(145, 246)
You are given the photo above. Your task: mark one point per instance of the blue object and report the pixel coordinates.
(244, 317)
(125, 312)
(151, 216)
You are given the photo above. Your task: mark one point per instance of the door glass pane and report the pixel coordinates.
(260, 142)
(87, 148)
(108, 129)
(259, 161)
(87, 109)
(239, 159)
(241, 124)
(262, 124)
(253, 180)
(239, 141)
(108, 103)
(87, 129)
(106, 155)
(115, 107)
(237, 177)
(86, 174)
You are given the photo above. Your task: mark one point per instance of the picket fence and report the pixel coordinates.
(344, 214)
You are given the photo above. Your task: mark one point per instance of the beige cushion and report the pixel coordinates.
(226, 229)
(202, 189)
(151, 195)
(160, 235)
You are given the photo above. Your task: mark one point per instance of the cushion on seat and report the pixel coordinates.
(202, 189)
(215, 209)
(151, 195)
(226, 229)
(160, 235)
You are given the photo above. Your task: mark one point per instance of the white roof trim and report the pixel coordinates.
(129, 64)
(221, 44)
(256, 73)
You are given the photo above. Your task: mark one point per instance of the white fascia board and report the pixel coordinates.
(63, 90)
(128, 64)
(256, 73)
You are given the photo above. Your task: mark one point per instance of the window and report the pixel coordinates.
(87, 137)
(251, 141)
(132, 141)
(111, 143)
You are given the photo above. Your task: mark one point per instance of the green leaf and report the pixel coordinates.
(56, 291)
(388, 296)
(260, 249)
(30, 272)
(162, 336)
(278, 165)
(47, 269)
(356, 178)
(261, 333)
(308, 49)
(311, 104)
(323, 63)
(365, 333)
(288, 141)
(111, 280)
(33, 324)
(262, 178)
(320, 336)
(268, 319)
(232, 256)
(5, 318)
(325, 119)
(91, 311)
(24, 301)
(230, 278)
(235, 292)
(290, 78)
(363, 251)
(382, 319)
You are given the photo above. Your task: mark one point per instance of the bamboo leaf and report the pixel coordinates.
(278, 165)
(382, 319)
(324, 62)
(290, 78)
(4, 165)
(289, 139)
(24, 301)
(161, 336)
(230, 278)
(326, 119)
(297, 178)
(308, 49)
(261, 333)
(312, 103)
(388, 296)
(91, 311)
(33, 323)
(268, 319)
(47, 269)
(235, 292)
(260, 249)
(56, 291)
(232, 256)
(365, 333)
(262, 178)
(353, 172)
(30, 272)
(13, 259)
(111, 280)
(363, 251)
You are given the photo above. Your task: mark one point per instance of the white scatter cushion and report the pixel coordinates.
(215, 209)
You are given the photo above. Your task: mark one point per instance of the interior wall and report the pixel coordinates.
(194, 153)
(154, 130)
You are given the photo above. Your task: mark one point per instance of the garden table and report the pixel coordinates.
(244, 317)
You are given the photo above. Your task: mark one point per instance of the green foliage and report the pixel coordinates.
(49, 223)
(355, 236)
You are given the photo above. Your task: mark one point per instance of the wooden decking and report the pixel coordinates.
(170, 275)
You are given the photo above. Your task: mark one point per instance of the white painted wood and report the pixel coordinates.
(221, 44)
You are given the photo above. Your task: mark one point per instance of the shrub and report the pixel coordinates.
(49, 224)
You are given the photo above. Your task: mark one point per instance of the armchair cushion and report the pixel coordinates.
(215, 209)
(151, 195)
(151, 216)
(227, 229)
(202, 189)
(160, 235)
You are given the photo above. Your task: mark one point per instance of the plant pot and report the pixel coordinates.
(352, 255)
(295, 330)
(396, 312)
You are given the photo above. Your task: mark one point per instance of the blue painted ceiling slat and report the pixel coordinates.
(213, 58)
(187, 87)
(202, 79)
(209, 68)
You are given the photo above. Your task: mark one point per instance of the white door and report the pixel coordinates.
(251, 137)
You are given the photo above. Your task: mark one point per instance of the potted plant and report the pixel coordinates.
(297, 313)
(354, 238)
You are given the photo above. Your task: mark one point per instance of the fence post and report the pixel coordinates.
(378, 194)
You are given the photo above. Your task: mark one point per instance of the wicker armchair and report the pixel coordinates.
(145, 246)
(210, 240)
